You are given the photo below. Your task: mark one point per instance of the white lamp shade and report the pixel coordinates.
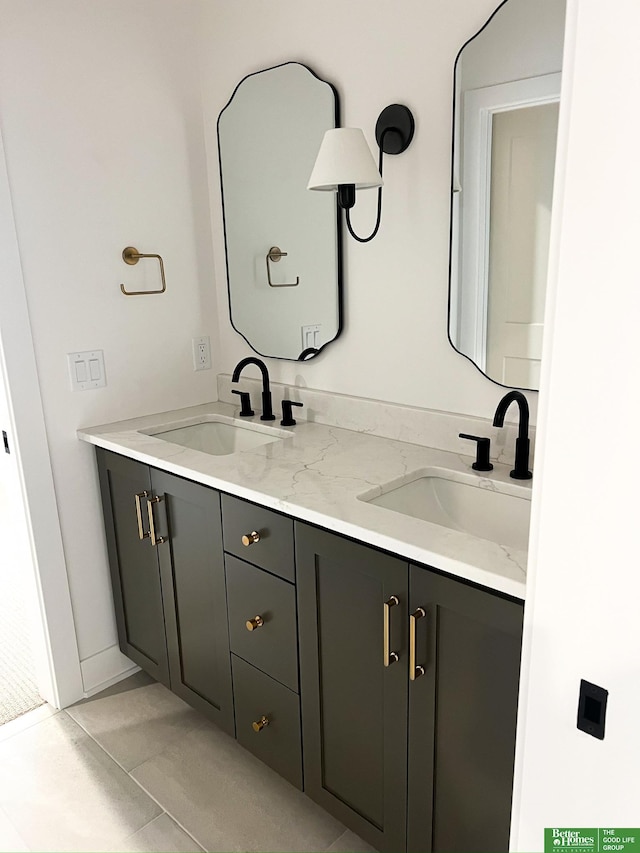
(344, 158)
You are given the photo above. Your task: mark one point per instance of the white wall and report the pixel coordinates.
(394, 345)
(584, 584)
(102, 125)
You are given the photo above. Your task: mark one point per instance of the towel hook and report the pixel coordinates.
(274, 255)
(131, 256)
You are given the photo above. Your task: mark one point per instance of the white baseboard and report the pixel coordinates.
(104, 669)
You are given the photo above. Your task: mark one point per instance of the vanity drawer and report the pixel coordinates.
(274, 549)
(259, 698)
(256, 595)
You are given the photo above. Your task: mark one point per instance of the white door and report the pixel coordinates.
(522, 167)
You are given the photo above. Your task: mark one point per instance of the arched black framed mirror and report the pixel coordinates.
(506, 101)
(282, 243)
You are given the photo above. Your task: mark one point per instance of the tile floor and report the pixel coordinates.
(136, 769)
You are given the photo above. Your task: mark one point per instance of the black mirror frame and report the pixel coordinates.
(453, 151)
(308, 354)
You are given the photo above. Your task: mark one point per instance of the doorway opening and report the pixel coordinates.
(19, 691)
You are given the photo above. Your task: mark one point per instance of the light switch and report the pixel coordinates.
(86, 370)
(311, 336)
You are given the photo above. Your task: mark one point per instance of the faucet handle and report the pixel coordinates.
(245, 403)
(482, 462)
(287, 416)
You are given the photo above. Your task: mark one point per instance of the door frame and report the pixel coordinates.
(480, 105)
(55, 646)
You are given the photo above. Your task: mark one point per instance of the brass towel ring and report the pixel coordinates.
(131, 256)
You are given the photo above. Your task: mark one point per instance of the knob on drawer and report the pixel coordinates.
(250, 538)
(256, 622)
(262, 723)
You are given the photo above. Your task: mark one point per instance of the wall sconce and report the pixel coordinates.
(345, 164)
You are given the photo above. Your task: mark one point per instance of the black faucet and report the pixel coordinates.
(267, 411)
(521, 470)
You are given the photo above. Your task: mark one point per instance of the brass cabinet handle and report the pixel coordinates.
(414, 671)
(250, 538)
(260, 724)
(155, 540)
(141, 533)
(256, 622)
(389, 657)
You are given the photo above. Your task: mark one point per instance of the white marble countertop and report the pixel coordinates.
(318, 472)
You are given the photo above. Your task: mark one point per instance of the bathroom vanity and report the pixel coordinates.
(368, 656)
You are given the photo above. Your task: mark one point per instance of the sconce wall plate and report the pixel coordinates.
(395, 128)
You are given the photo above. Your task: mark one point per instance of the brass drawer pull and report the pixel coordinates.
(414, 671)
(389, 657)
(256, 622)
(141, 533)
(250, 538)
(155, 540)
(262, 723)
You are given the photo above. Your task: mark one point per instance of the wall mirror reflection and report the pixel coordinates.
(282, 242)
(506, 101)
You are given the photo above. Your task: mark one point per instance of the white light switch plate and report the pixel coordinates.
(311, 336)
(86, 370)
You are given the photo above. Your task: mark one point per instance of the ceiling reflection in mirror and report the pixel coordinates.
(506, 100)
(282, 242)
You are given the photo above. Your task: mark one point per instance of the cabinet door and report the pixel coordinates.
(135, 575)
(354, 709)
(462, 716)
(192, 567)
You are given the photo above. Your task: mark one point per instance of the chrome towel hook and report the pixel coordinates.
(131, 256)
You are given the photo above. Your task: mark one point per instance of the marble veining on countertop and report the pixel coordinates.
(317, 473)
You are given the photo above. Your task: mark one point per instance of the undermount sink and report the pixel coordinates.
(218, 435)
(485, 508)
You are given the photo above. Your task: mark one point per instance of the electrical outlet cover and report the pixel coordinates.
(201, 353)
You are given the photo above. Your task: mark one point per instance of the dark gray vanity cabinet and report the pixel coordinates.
(393, 687)
(354, 708)
(170, 599)
(416, 752)
(462, 715)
